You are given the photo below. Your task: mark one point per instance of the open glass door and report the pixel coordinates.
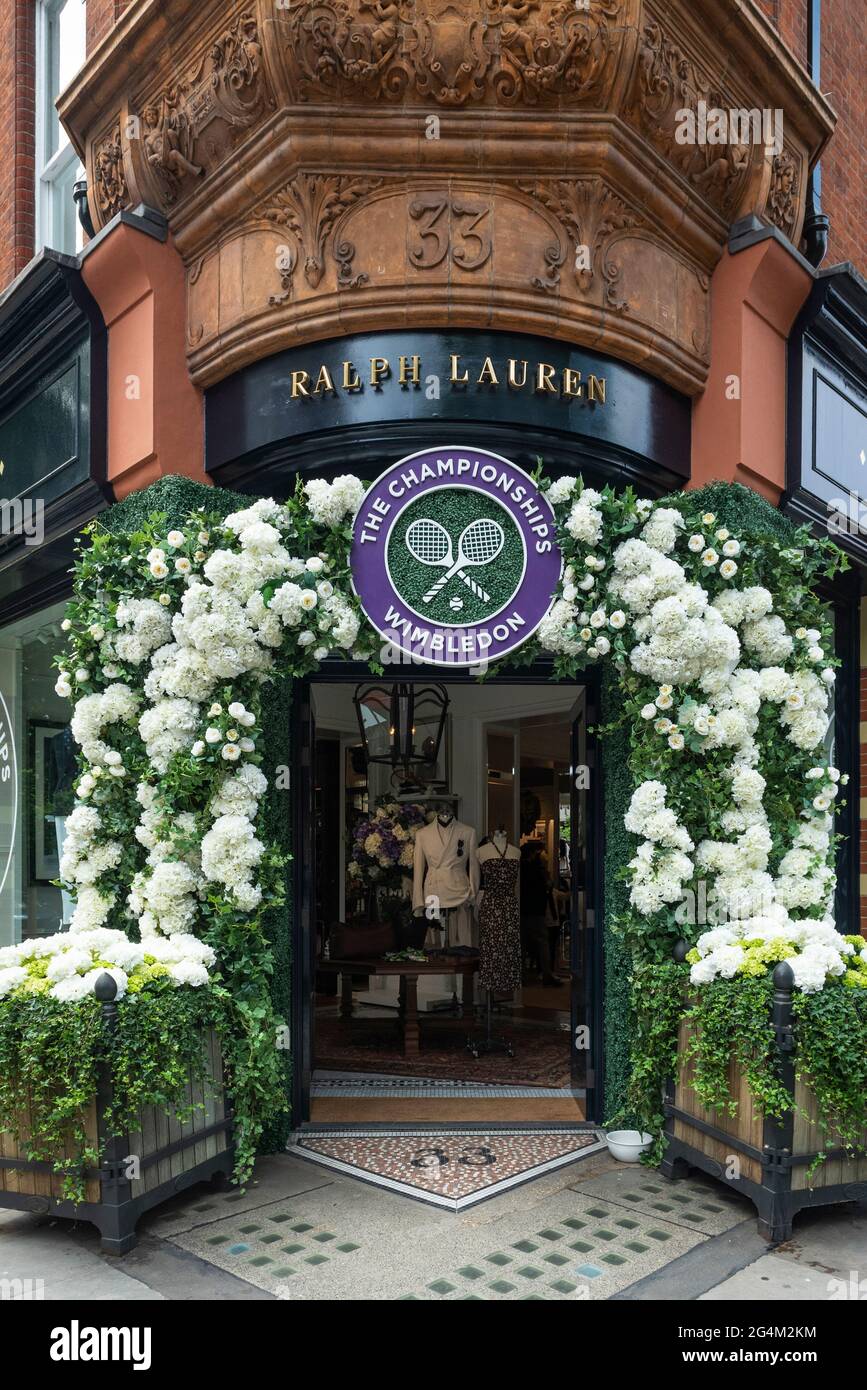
(584, 842)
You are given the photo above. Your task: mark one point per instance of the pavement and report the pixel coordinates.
(594, 1230)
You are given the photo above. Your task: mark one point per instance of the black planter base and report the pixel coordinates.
(117, 1222)
(775, 1202)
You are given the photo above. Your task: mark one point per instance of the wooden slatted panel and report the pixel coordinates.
(155, 1131)
(808, 1140)
(747, 1124)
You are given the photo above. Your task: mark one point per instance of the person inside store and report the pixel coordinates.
(535, 908)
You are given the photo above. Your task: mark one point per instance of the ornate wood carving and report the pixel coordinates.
(226, 85)
(330, 166)
(785, 192)
(309, 207)
(109, 179)
(670, 81)
(593, 217)
(451, 52)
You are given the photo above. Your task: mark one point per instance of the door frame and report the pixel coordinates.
(303, 885)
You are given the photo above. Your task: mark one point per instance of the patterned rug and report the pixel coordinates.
(541, 1053)
(454, 1169)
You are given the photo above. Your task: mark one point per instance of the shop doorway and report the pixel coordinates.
(408, 1010)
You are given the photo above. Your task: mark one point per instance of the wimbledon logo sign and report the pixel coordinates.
(454, 556)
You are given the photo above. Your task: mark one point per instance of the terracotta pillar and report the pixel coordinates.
(739, 422)
(155, 413)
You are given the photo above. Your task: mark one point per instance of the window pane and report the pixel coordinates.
(66, 47)
(36, 793)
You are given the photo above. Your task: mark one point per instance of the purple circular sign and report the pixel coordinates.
(454, 557)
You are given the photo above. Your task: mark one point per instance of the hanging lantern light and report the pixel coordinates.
(401, 725)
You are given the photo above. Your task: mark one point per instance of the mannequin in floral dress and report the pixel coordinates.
(499, 916)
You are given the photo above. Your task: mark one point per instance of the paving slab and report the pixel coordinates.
(773, 1279)
(694, 1203)
(277, 1176)
(50, 1259)
(352, 1241)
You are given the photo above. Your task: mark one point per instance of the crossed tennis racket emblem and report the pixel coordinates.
(480, 544)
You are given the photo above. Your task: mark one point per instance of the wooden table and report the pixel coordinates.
(408, 972)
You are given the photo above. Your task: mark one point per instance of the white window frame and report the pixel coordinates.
(53, 171)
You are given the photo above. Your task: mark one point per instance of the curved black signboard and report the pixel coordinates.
(363, 401)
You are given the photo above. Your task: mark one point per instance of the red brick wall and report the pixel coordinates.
(844, 167)
(101, 17)
(17, 141)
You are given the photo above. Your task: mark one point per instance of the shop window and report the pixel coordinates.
(37, 769)
(61, 46)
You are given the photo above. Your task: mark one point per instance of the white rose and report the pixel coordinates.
(321, 654)
(325, 588)
(306, 639)
(97, 632)
(248, 719)
(308, 600)
(159, 570)
(315, 565)
(598, 619)
(603, 646)
(231, 752)
(198, 748)
(175, 538)
(732, 548)
(664, 700)
(696, 543)
(816, 654)
(617, 619)
(829, 676)
(728, 569)
(247, 745)
(675, 741)
(66, 625)
(648, 712)
(183, 566)
(708, 519)
(63, 689)
(213, 736)
(214, 711)
(236, 710)
(710, 558)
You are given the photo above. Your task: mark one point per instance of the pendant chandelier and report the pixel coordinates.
(402, 725)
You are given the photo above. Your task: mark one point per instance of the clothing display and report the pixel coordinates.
(445, 866)
(499, 918)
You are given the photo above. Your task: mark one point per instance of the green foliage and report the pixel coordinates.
(732, 1019)
(52, 1054)
(832, 1060)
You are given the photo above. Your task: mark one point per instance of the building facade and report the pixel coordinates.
(245, 242)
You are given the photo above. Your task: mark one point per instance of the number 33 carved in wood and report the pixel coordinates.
(450, 228)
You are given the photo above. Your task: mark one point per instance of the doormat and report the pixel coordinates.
(372, 1045)
(454, 1169)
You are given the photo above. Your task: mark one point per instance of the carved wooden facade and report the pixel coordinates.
(340, 165)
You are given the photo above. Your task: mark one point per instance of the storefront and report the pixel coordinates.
(450, 423)
(369, 380)
(52, 480)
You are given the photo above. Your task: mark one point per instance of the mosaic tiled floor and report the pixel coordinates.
(451, 1169)
(357, 1085)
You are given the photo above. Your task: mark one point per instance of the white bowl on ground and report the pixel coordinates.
(627, 1145)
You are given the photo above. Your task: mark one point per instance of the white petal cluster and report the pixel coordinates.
(333, 503)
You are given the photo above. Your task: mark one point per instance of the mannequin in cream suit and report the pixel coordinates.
(446, 867)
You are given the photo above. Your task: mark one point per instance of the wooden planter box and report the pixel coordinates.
(773, 1157)
(172, 1156)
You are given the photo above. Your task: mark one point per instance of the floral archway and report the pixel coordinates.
(723, 660)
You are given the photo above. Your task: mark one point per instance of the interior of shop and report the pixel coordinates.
(450, 865)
